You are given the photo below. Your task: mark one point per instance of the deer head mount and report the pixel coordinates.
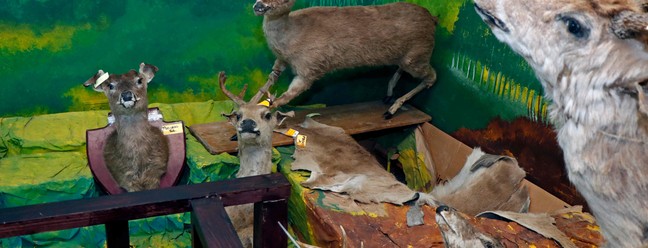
(254, 121)
(127, 93)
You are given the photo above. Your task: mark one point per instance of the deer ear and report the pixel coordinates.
(93, 81)
(147, 72)
(231, 117)
(281, 117)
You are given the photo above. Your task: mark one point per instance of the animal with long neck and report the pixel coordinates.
(136, 153)
(254, 124)
(318, 40)
(592, 61)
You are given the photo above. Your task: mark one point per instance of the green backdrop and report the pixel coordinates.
(48, 48)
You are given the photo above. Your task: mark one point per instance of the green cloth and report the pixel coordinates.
(43, 159)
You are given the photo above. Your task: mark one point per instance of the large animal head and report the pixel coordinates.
(126, 92)
(582, 50)
(458, 232)
(272, 7)
(254, 121)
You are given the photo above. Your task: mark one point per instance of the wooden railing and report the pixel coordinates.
(206, 202)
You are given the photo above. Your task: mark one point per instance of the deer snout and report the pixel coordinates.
(127, 99)
(248, 126)
(260, 8)
(127, 96)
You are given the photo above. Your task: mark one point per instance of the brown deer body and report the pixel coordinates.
(136, 153)
(592, 61)
(318, 40)
(254, 124)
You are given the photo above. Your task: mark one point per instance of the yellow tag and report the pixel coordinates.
(300, 141)
(291, 132)
(172, 129)
(264, 103)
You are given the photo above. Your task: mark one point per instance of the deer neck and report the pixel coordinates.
(275, 29)
(255, 160)
(131, 125)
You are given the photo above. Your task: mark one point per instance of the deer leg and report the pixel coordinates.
(278, 67)
(427, 82)
(389, 98)
(297, 86)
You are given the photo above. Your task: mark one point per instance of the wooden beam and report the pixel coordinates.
(129, 206)
(353, 118)
(267, 216)
(212, 226)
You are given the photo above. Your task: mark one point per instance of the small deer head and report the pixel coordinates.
(458, 232)
(126, 92)
(273, 7)
(254, 121)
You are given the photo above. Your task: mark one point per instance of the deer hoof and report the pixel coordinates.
(388, 115)
(389, 100)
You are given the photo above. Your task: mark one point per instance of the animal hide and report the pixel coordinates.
(489, 182)
(540, 223)
(338, 163)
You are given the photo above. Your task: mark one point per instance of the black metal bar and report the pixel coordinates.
(267, 216)
(117, 235)
(86, 212)
(212, 226)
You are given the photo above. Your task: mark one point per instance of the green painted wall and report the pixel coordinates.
(48, 48)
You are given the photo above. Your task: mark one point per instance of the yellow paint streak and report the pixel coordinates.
(23, 38)
(84, 99)
(532, 246)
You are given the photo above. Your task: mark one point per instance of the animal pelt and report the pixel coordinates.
(494, 181)
(458, 232)
(338, 163)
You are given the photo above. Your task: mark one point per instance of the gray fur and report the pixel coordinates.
(136, 153)
(593, 80)
(318, 40)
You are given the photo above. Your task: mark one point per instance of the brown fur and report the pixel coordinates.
(593, 79)
(254, 127)
(136, 153)
(459, 232)
(318, 40)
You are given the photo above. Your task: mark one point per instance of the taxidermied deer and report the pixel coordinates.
(136, 153)
(254, 124)
(458, 232)
(317, 40)
(590, 57)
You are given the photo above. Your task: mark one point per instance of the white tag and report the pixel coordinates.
(172, 129)
(101, 79)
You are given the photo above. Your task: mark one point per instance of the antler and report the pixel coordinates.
(271, 80)
(627, 24)
(221, 81)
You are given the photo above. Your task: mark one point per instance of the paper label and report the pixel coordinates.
(101, 79)
(172, 129)
(300, 141)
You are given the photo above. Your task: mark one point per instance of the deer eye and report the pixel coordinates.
(238, 117)
(575, 27)
(111, 86)
(139, 81)
(268, 116)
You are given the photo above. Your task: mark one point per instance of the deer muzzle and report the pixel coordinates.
(249, 126)
(127, 99)
(260, 8)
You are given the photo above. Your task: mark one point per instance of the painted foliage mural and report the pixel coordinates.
(48, 48)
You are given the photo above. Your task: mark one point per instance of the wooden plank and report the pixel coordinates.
(353, 118)
(212, 226)
(93, 211)
(267, 216)
(117, 234)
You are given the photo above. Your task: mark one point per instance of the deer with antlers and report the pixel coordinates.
(254, 123)
(317, 40)
(591, 58)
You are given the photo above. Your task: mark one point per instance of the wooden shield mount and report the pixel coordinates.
(174, 132)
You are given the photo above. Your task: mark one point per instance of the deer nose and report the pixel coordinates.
(260, 7)
(248, 125)
(442, 208)
(127, 96)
